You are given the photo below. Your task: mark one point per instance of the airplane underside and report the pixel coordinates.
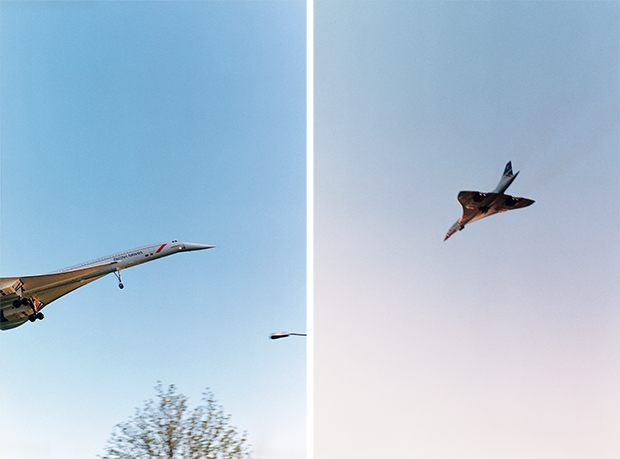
(477, 205)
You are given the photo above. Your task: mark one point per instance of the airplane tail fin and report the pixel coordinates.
(506, 180)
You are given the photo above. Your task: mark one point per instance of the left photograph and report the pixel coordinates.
(130, 132)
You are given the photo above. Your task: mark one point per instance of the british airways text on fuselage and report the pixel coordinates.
(122, 257)
(155, 248)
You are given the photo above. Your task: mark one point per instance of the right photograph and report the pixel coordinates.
(466, 230)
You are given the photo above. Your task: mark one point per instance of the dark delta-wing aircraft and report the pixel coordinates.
(22, 298)
(477, 205)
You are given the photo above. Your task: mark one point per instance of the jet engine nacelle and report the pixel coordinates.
(17, 313)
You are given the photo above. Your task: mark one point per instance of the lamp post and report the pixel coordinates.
(285, 334)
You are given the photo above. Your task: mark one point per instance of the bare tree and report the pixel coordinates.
(165, 428)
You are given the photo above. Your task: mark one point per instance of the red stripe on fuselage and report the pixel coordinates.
(162, 246)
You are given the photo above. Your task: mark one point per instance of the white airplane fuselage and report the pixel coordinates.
(22, 298)
(140, 255)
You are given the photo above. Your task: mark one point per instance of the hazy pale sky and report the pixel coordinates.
(502, 341)
(130, 123)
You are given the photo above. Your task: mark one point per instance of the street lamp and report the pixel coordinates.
(285, 334)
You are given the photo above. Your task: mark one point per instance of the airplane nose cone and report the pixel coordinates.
(187, 246)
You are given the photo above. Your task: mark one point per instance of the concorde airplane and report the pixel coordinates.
(477, 205)
(22, 298)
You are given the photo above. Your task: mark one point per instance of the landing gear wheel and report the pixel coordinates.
(117, 273)
(21, 302)
(35, 316)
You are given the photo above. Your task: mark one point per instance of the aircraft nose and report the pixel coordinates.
(187, 246)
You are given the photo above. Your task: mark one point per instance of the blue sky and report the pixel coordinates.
(128, 123)
(502, 341)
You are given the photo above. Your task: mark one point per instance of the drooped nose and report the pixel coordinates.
(187, 246)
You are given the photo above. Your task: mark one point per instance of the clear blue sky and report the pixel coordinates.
(504, 340)
(127, 123)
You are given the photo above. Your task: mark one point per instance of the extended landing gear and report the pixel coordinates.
(21, 302)
(31, 303)
(117, 273)
(38, 315)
